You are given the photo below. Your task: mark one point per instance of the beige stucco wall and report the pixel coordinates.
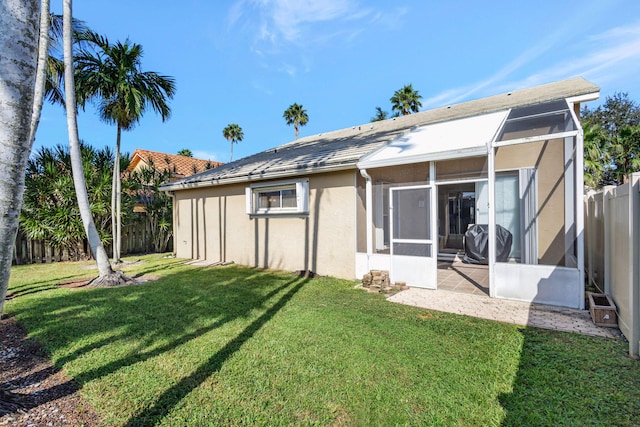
(212, 224)
(548, 158)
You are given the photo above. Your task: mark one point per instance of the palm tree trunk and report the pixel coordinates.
(113, 214)
(41, 74)
(115, 200)
(18, 67)
(231, 155)
(118, 199)
(102, 261)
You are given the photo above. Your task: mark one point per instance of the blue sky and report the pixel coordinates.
(246, 61)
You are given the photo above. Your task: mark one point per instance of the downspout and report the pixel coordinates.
(368, 213)
(174, 209)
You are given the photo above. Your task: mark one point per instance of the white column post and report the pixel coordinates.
(491, 172)
(579, 214)
(369, 213)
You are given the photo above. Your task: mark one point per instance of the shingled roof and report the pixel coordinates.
(341, 149)
(180, 166)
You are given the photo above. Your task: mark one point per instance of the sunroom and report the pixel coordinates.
(518, 170)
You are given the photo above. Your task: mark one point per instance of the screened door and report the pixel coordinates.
(413, 258)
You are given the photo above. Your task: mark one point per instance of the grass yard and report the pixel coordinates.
(240, 346)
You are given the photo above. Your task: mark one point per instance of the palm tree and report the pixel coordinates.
(111, 75)
(233, 134)
(50, 210)
(406, 101)
(107, 275)
(297, 116)
(625, 151)
(380, 115)
(185, 152)
(595, 155)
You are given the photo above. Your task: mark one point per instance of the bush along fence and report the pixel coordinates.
(612, 251)
(136, 238)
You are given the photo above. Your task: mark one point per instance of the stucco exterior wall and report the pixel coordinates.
(548, 158)
(212, 224)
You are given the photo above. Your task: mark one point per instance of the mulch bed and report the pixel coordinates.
(33, 391)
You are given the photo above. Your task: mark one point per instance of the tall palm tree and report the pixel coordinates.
(111, 75)
(406, 100)
(233, 133)
(21, 85)
(297, 116)
(102, 260)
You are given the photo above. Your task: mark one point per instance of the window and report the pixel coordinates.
(290, 197)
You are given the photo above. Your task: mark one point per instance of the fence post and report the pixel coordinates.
(607, 195)
(634, 246)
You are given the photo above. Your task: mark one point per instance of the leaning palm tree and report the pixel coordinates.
(111, 75)
(233, 133)
(406, 101)
(106, 274)
(297, 116)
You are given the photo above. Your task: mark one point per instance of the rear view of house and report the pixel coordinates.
(399, 194)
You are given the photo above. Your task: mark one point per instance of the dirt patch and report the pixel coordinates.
(33, 391)
(83, 283)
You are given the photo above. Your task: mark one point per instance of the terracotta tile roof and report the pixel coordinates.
(181, 166)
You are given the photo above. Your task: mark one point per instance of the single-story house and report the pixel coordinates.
(398, 194)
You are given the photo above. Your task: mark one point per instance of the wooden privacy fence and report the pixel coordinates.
(612, 251)
(136, 238)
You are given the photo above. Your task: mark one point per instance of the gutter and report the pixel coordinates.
(177, 186)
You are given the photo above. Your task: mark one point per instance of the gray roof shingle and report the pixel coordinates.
(342, 148)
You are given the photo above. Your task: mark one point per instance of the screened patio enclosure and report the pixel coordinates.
(520, 168)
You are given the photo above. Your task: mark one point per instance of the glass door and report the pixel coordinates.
(413, 258)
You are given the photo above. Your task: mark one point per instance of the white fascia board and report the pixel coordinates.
(584, 98)
(560, 135)
(255, 178)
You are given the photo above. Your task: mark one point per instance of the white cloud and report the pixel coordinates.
(607, 57)
(300, 23)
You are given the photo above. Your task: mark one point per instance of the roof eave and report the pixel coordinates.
(257, 177)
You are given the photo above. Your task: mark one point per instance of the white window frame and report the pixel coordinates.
(300, 186)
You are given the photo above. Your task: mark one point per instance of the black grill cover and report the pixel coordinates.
(476, 244)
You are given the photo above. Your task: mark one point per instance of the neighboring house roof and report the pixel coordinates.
(180, 166)
(341, 149)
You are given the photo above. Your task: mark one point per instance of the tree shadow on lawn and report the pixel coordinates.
(34, 287)
(557, 385)
(171, 397)
(156, 317)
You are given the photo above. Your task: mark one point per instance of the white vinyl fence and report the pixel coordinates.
(612, 251)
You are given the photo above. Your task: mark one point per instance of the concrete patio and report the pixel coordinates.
(479, 305)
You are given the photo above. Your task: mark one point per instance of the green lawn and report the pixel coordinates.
(241, 346)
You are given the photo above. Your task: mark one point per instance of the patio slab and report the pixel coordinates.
(519, 313)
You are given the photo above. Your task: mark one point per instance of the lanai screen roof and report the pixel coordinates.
(457, 138)
(472, 136)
